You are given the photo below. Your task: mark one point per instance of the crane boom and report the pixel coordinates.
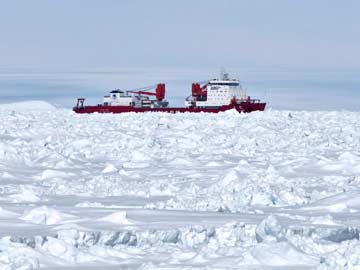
(159, 92)
(142, 93)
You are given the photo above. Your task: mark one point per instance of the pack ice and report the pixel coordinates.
(266, 190)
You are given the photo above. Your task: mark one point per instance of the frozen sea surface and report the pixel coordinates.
(266, 190)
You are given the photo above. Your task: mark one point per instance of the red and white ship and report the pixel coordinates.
(217, 95)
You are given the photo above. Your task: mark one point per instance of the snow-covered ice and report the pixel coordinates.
(266, 190)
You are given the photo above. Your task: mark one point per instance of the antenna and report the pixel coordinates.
(224, 75)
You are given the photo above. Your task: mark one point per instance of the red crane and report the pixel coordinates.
(197, 90)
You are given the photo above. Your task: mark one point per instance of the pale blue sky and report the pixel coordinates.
(72, 34)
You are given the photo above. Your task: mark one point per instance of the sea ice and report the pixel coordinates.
(266, 190)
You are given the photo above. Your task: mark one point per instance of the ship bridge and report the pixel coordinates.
(224, 81)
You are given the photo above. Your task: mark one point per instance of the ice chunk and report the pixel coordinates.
(172, 236)
(61, 249)
(269, 230)
(230, 234)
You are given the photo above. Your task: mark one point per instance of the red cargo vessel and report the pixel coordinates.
(217, 95)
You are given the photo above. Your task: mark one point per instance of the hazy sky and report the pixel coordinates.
(71, 34)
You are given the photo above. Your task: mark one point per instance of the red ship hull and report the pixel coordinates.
(246, 107)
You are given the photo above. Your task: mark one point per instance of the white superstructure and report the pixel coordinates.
(118, 98)
(218, 92)
(122, 98)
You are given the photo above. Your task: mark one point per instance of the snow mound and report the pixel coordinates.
(45, 216)
(282, 254)
(48, 174)
(338, 203)
(6, 214)
(25, 196)
(109, 168)
(35, 105)
(118, 218)
(326, 220)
